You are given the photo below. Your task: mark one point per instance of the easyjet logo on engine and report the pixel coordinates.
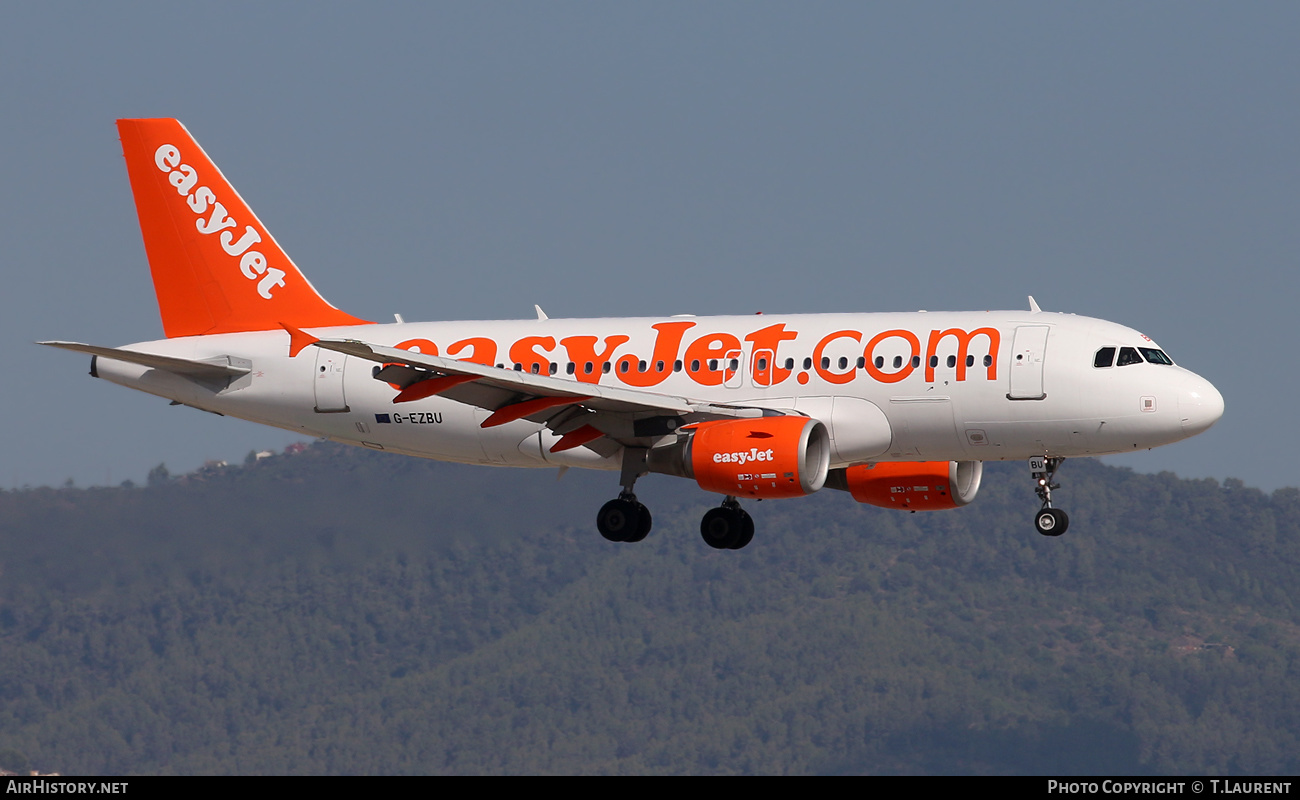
(203, 201)
(754, 454)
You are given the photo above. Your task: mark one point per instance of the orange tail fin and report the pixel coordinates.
(215, 267)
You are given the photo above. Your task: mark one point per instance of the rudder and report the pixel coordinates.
(216, 269)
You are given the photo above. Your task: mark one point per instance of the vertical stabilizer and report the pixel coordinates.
(216, 269)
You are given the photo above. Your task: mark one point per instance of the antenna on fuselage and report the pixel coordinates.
(1033, 306)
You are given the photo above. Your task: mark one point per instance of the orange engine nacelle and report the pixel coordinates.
(765, 457)
(915, 485)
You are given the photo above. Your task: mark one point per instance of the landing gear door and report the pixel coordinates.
(329, 382)
(1026, 372)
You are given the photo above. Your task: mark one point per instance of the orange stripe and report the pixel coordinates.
(431, 386)
(576, 438)
(298, 340)
(516, 411)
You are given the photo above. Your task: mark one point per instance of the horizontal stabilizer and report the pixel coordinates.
(201, 370)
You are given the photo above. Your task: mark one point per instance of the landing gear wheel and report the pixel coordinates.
(1052, 522)
(1049, 521)
(746, 530)
(727, 527)
(719, 527)
(643, 528)
(623, 520)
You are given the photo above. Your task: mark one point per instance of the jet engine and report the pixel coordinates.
(766, 457)
(911, 485)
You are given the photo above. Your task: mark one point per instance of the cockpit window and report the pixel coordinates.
(1128, 355)
(1155, 356)
(1105, 357)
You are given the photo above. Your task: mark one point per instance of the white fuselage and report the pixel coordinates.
(935, 386)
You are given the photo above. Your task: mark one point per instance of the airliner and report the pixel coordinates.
(899, 410)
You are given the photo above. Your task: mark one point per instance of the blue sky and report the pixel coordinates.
(1135, 162)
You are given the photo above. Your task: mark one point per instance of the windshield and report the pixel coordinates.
(1155, 356)
(1127, 356)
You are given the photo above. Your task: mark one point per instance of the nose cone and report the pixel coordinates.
(1199, 406)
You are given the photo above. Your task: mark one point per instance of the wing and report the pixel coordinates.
(599, 417)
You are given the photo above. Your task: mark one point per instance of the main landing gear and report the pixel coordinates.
(626, 519)
(1049, 521)
(727, 527)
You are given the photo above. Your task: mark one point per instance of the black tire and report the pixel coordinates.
(1052, 522)
(746, 530)
(618, 519)
(721, 528)
(643, 526)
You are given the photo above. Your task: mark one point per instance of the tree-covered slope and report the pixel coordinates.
(341, 611)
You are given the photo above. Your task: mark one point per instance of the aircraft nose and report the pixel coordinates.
(1199, 406)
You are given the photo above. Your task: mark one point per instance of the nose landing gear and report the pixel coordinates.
(1048, 521)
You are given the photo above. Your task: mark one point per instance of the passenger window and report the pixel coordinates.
(762, 364)
(988, 361)
(898, 362)
(605, 368)
(1104, 358)
(677, 365)
(695, 365)
(844, 362)
(970, 361)
(789, 363)
(916, 362)
(952, 361)
(880, 362)
(1128, 355)
(587, 368)
(862, 362)
(807, 363)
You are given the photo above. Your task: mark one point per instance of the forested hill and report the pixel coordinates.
(341, 611)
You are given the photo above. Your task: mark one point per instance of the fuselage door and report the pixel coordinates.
(733, 369)
(329, 382)
(1027, 354)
